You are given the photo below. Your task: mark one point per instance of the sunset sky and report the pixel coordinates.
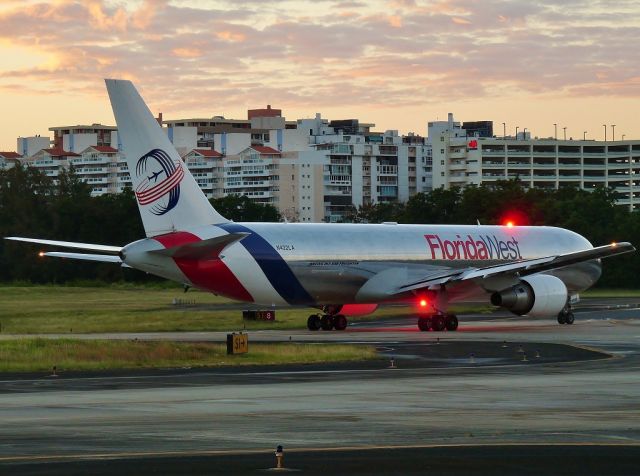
(397, 63)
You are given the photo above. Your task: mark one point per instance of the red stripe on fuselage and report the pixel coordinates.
(210, 274)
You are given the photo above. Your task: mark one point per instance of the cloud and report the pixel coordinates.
(220, 54)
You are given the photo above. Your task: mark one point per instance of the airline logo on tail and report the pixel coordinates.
(160, 181)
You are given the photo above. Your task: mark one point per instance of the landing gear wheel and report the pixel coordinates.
(424, 323)
(339, 322)
(326, 322)
(438, 323)
(313, 323)
(562, 318)
(451, 322)
(569, 318)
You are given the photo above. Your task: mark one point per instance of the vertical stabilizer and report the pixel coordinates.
(168, 196)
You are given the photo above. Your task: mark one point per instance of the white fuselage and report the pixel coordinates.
(325, 264)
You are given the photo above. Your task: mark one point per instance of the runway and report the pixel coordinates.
(437, 410)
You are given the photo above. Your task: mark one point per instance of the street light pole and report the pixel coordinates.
(565, 132)
(517, 132)
(623, 136)
(584, 135)
(555, 130)
(524, 134)
(613, 132)
(504, 131)
(605, 132)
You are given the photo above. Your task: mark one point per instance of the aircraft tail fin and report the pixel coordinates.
(169, 198)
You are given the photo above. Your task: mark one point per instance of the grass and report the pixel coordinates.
(64, 309)
(611, 293)
(40, 354)
(125, 308)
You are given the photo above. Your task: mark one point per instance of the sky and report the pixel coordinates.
(396, 63)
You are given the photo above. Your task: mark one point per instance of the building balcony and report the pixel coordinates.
(97, 181)
(618, 154)
(492, 165)
(93, 161)
(201, 165)
(539, 165)
(95, 170)
(458, 166)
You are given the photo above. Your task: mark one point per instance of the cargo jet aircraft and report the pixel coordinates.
(341, 269)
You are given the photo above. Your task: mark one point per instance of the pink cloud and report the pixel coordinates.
(404, 52)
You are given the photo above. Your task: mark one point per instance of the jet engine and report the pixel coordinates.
(539, 295)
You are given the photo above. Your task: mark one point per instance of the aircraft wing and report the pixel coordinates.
(68, 244)
(388, 284)
(87, 257)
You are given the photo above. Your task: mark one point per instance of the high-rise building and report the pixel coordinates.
(460, 160)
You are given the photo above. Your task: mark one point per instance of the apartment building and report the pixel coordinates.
(207, 168)
(51, 161)
(459, 160)
(103, 168)
(317, 169)
(9, 160)
(28, 146)
(346, 164)
(78, 138)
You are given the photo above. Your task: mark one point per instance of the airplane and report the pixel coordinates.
(154, 176)
(341, 269)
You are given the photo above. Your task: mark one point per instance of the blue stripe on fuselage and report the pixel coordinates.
(272, 264)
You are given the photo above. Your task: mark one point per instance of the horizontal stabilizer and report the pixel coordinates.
(204, 249)
(68, 244)
(86, 257)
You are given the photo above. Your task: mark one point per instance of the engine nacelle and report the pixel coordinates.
(539, 295)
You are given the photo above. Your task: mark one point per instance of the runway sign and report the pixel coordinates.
(260, 315)
(237, 343)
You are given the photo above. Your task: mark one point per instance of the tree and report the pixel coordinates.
(241, 208)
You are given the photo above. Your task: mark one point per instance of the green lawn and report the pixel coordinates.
(61, 309)
(39, 354)
(611, 293)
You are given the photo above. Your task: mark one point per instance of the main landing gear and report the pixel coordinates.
(438, 322)
(327, 322)
(566, 315)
